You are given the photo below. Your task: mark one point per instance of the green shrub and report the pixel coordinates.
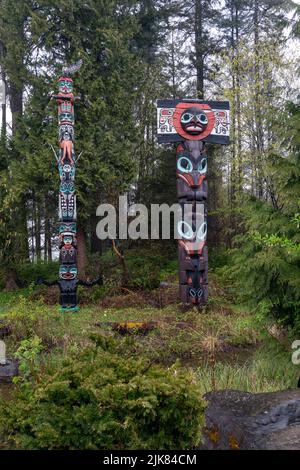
(147, 266)
(265, 264)
(27, 355)
(103, 398)
(30, 272)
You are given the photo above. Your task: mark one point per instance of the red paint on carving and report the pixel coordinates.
(192, 248)
(181, 108)
(189, 180)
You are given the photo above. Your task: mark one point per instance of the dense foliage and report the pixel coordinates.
(105, 398)
(110, 395)
(265, 262)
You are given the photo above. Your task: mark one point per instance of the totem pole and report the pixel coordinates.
(66, 160)
(191, 123)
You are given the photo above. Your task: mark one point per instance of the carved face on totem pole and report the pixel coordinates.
(66, 113)
(192, 237)
(66, 172)
(67, 228)
(67, 272)
(66, 132)
(194, 121)
(65, 85)
(191, 175)
(67, 239)
(67, 208)
(192, 232)
(67, 187)
(193, 276)
(68, 254)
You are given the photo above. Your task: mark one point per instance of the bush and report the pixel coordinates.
(147, 266)
(103, 398)
(30, 272)
(265, 264)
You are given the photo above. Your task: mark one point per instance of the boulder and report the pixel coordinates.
(242, 420)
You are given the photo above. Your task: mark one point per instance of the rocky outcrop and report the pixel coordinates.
(241, 420)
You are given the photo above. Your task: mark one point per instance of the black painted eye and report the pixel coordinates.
(202, 118)
(184, 164)
(186, 117)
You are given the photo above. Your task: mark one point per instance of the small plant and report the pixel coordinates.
(27, 355)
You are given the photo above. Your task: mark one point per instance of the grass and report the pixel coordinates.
(269, 369)
(225, 344)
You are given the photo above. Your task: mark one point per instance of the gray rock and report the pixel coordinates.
(8, 371)
(241, 420)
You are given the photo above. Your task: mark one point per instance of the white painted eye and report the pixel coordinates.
(202, 231)
(202, 118)
(193, 292)
(185, 165)
(185, 230)
(202, 167)
(186, 117)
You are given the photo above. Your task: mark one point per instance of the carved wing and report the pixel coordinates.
(70, 69)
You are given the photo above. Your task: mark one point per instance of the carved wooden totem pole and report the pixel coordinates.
(191, 123)
(66, 160)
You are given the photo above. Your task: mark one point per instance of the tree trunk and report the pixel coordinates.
(38, 232)
(233, 114)
(3, 111)
(258, 103)
(11, 281)
(16, 105)
(199, 48)
(238, 102)
(47, 247)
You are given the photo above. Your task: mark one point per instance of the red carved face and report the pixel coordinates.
(65, 85)
(191, 170)
(193, 121)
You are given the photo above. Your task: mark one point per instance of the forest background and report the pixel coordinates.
(85, 381)
(135, 52)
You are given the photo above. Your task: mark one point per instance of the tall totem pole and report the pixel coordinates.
(191, 123)
(66, 160)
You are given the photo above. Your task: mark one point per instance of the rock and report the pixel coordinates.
(8, 371)
(164, 284)
(241, 420)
